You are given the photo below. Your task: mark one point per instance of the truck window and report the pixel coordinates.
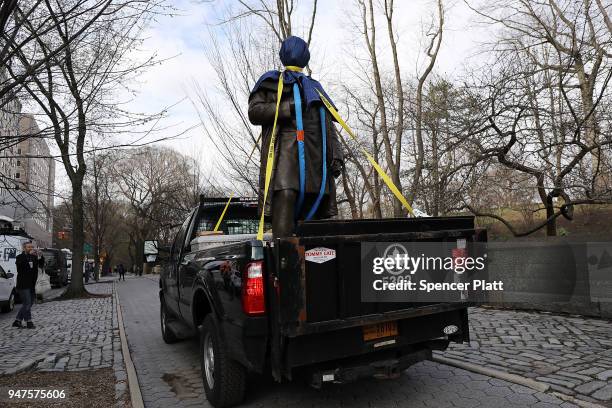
(241, 218)
(231, 226)
(180, 238)
(190, 233)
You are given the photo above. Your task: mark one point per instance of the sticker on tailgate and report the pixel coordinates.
(320, 254)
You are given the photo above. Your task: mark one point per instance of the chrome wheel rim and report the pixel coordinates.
(209, 361)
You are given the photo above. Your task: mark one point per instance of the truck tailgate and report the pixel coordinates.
(315, 296)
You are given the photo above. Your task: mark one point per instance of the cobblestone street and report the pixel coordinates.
(572, 354)
(169, 375)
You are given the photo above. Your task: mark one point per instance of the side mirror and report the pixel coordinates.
(9, 275)
(151, 251)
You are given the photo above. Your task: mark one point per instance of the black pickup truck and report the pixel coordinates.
(292, 307)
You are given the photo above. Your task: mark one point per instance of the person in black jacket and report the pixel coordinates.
(27, 273)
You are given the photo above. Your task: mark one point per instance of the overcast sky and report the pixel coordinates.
(182, 37)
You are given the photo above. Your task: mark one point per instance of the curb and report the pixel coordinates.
(579, 402)
(513, 378)
(134, 386)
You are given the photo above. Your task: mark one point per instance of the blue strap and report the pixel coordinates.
(300, 144)
(315, 206)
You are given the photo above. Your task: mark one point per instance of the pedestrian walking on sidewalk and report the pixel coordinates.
(121, 270)
(27, 273)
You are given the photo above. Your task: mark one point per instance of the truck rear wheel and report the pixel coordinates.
(224, 379)
(167, 333)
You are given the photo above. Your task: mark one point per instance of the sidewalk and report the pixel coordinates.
(70, 336)
(571, 354)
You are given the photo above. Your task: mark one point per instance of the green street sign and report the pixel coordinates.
(87, 248)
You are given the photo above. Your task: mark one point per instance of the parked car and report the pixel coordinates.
(7, 291)
(56, 266)
(264, 307)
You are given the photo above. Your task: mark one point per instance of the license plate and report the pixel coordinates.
(380, 330)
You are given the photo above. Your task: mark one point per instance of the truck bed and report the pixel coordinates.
(317, 304)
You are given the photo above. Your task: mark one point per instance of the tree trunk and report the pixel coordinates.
(77, 288)
(435, 173)
(551, 225)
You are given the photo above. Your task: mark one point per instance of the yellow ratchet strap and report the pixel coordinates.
(270, 161)
(379, 169)
(223, 213)
(293, 68)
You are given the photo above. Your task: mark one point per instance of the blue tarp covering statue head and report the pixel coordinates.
(294, 53)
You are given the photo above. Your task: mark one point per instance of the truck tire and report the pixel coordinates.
(224, 379)
(9, 305)
(167, 333)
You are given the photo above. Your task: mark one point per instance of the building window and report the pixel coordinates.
(17, 175)
(19, 151)
(18, 163)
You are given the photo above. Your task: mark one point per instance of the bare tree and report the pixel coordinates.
(532, 128)
(159, 187)
(435, 34)
(83, 66)
(102, 210)
(24, 23)
(568, 39)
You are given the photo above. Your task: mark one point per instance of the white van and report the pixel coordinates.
(10, 247)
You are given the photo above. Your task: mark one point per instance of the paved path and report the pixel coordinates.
(70, 335)
(169, 375)
(571, 354)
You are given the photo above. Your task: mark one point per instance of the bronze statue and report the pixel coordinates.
(307, 152)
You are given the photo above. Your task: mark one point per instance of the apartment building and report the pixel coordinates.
(27, 175)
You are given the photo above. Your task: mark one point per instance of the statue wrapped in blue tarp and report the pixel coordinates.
(307, 151)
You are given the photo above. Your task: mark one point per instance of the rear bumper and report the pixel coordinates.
(425, 332)
(386, 368)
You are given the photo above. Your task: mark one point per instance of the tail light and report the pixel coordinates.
(460, 253)
(253, 299)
